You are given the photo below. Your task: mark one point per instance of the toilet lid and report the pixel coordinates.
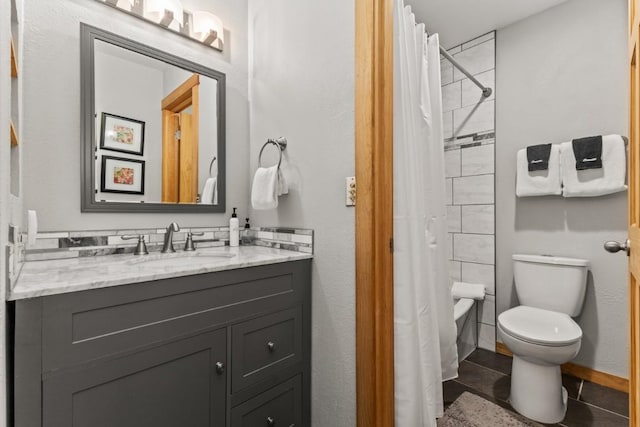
(540, 326)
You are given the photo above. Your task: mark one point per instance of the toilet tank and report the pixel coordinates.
(552, 283)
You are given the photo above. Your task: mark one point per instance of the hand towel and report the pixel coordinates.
(283, 186)
(542, 182)
(210, 192)
(264, 191)
(588, 152)
(538, 157)
(595, 182)
(468, 290)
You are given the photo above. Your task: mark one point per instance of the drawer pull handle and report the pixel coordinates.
(271, 422)
(220, 368)
(271, 346)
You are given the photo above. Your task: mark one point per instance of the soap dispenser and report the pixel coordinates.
(246, 238)
(234, 230)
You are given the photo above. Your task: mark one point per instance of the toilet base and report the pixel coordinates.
(537, 392)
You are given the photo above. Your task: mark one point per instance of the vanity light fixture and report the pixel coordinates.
(124, 4)
(201, 26)
(208, 28)
(168, 13)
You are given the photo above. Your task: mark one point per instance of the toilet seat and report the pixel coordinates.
(539, 326)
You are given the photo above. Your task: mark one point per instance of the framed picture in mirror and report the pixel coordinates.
(120, 175)
(118, 133)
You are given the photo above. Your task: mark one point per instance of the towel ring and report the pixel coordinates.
(211, 165)
(281, 143)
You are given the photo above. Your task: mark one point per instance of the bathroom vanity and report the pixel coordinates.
(217, 338)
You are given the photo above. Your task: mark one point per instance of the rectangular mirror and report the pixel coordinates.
(153, 129)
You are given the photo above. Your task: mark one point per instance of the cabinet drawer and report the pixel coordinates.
(85, 326)
(280, 406)
(262, 346)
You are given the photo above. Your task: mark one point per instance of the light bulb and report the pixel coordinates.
(207, 27)
(168, 13)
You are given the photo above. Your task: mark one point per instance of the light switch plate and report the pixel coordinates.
(351, 191)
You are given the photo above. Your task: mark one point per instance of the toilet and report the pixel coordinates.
(541, 333)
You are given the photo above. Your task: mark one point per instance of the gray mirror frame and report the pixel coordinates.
(89, 143)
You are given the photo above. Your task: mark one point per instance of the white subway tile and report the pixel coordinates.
(487, 337)
(472, 94)
(446, 72)
(478, 40)
(487, 313)
(478, 160)
(452, 163)
(473, 190)
(451, 96)
(474, 248)
(453, 219)
(448, 182)
(453, 50)
(474, 119)
(447, 124)
(476, 59)
(450, 246)
(479, 219)
(480, 273)
(455, 271)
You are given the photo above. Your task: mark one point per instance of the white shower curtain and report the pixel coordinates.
(425, 334)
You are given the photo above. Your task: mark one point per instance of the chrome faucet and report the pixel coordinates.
(168, 238)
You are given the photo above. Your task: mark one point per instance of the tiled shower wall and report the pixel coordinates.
(469, 127)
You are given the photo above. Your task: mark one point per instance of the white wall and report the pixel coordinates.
(562, 74)
(52, 108)
(302, 87)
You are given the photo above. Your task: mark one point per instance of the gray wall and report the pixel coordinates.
(302, 87)
(130, 89)
(562, 74)
(52, 112)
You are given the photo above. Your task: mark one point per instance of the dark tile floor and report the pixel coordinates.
(488, 374)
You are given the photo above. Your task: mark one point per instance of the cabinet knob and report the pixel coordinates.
(220, 368)
(271, 421)
(271, 346)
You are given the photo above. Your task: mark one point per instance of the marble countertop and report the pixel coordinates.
(41, 278)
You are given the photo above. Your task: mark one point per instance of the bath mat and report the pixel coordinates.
(470, 410)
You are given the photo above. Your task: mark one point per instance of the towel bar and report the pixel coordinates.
(211, 165)
(281, 143)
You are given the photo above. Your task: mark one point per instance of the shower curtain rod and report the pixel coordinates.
(486, 91)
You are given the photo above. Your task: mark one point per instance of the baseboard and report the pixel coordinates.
(608, 380)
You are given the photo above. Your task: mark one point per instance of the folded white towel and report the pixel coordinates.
(283, 186)
(264, 191)
(595, 182)
(468, 290)
(210, 192)
(538, 183)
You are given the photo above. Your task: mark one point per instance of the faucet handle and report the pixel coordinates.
(189, 246)
(141, 248)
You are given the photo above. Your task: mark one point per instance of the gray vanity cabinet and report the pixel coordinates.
(230, 348)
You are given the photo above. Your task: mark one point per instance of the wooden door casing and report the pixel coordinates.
(634, 213)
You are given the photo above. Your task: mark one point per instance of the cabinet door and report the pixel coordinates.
(182, 383)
